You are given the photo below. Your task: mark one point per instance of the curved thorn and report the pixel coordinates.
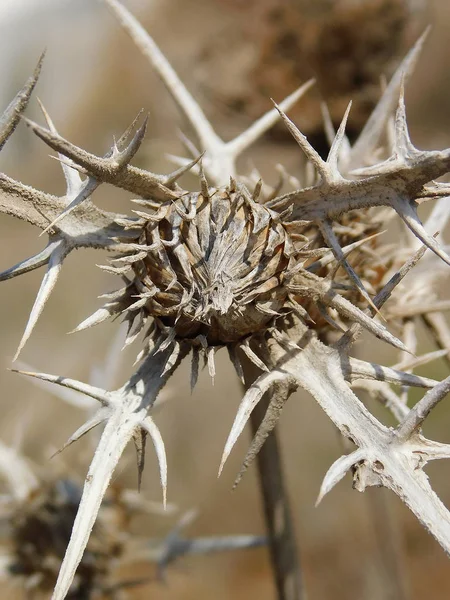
(337, 471)
(150, 427)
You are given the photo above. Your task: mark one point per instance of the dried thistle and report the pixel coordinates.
(37, 525)
(38, 511)
(266, 275)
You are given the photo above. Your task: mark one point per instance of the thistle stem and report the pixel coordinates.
(280, 530)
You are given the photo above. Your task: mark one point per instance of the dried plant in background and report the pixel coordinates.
(37, 517)
(40, 505)
(271, 47)
(286, 282)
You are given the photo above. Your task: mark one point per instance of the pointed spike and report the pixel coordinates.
(85, 190)
(175, 86)
(125, 156)
(194, 367)
(310, 153)
(129, 130)
(172, 359)
(11, 115)
(330, 132)
(350, 311)
(417, 415)
(251, 398)
(337, 471)
(71, 397)
(403, 145)
(48, 283)
(150, 427)
(328, 318)
(30, 264)
(336, 147)
(108, 170)
(98, 317)
(139, 438)
(332, 240)
(421, 360)
(116, 435)
(369, 136)
(385, 293)
(360, 369)
(232, 353)
(71, 175)
(328, 257)
(266, 122)
(210, 351)
(268, 423)
(173, 177)
(409, 215)
(245, 347)
(99, 417)
(204, 186)
(89, 390)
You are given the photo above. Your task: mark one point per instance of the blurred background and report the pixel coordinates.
(234, 55)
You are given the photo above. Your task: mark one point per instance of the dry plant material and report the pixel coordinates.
(271, 46)
(286, 281)
(38, 516)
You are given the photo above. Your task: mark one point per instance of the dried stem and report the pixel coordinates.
(280, 529)
(386, 532)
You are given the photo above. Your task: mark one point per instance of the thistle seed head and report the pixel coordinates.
(214, 265)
